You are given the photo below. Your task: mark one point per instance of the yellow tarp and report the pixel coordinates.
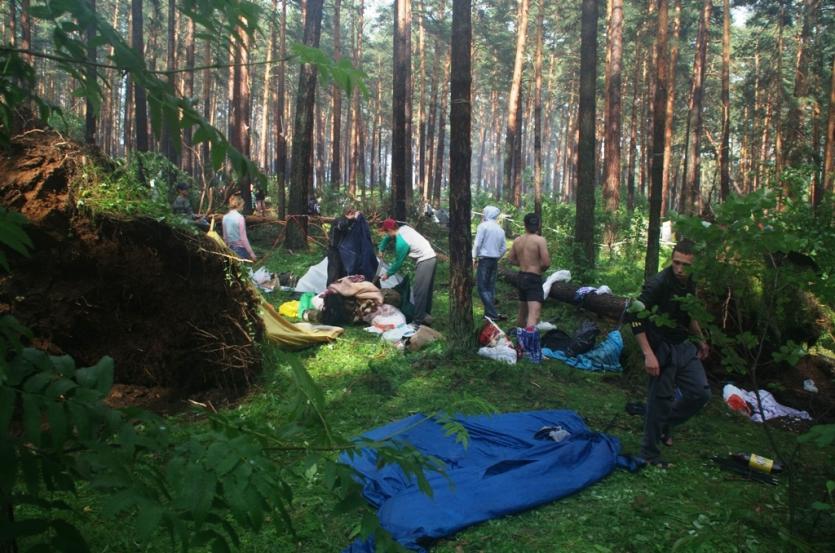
(294, 336)
(281, 331)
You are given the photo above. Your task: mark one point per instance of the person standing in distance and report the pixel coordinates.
(409, 242)
(489, 246)
(672, 354)
(530, 253)
(234, 230)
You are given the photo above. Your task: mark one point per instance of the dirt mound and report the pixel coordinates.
(167, 304)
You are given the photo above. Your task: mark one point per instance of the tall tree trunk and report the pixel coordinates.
(263, 134)
(302, 168)
(633, 128)
(401, 170)
(433, 110)
(691, 191)
(647, 118)
(336, 125)
(657, 159)
(517, 155)
(611, 187)
(357, 172)
(25, 31)
(188, 92)
(513, 96)
(829, 149)
(90, 75)
(421, 114)
(375, 170)
(208, 112)
(441, 144)
(669, 110)
(12, 23)
(460, 231)
(319, 156)
(797, 149)
(779, 93)
(724, 150)
(140, 111)
(243, 89)
(168, 131)
(584, 250)
(280, 139)
(537, 113)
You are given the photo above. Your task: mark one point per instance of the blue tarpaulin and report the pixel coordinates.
(605, 356)
(504, 470)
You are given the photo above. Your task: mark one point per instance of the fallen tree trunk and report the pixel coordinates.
(604, 305)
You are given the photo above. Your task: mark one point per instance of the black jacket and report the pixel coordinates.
(663, 291)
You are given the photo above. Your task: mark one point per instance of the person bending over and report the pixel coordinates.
(409, 242)
(673, 354)
(530, 253)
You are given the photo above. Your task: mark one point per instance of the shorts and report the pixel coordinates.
(530, 287)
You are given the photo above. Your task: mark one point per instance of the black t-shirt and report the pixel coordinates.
(663, 290)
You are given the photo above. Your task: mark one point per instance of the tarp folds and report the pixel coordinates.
(504, 470)
(294, 336)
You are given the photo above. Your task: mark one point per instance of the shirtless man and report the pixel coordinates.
(530, 252)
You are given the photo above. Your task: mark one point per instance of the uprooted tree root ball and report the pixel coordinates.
(169, 305)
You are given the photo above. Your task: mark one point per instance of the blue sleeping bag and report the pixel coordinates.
(605, 356)
(504, 470)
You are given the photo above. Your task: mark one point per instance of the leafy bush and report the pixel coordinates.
(766, 269)
(144, 185)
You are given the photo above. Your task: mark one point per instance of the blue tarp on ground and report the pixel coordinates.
(504, 470)
(605, 356)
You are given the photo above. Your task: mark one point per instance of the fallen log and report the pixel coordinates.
(605, 305)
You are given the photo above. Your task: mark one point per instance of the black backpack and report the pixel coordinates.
(583, 339)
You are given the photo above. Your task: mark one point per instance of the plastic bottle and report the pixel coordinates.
(758, 463)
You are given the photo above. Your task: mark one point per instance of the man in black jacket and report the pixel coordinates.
(674, 347)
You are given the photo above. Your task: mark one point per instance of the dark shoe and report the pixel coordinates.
(656, 462)
(666, 436)
(636, 408)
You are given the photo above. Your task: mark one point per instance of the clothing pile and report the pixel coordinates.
(495, 344)
(746, 403)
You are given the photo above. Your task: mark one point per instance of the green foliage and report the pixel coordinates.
(17, 83)
(144, 185)
(747, 269)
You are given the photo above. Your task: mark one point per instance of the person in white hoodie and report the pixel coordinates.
(489, 246)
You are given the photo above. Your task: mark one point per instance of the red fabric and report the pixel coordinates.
(389, 224)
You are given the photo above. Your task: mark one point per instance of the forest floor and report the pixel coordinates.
(693, 506)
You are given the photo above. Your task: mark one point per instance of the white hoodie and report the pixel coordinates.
(489, 237)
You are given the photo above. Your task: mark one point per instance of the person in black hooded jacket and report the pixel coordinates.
(673, 353)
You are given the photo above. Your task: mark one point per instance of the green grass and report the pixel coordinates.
(691, 507)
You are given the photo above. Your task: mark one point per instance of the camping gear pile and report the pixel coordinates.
(579, 350)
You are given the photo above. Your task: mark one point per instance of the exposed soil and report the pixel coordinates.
(165, 303)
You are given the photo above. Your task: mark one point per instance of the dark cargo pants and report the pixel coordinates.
(682, 369)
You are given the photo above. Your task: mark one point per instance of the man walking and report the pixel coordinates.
(489, 246)
(671, 357)
(409, 242)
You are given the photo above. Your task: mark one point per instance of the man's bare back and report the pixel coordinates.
(530, 252)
